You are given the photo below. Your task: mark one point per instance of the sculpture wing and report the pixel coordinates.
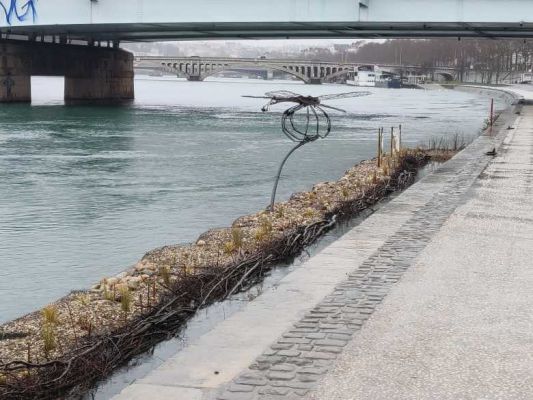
(343, 95)
(281, 94)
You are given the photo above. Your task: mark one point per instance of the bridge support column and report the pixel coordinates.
(315, 81)
(15, 74)
(91, 74)
(99, 76)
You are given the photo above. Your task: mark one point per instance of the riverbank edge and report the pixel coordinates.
(487, 90)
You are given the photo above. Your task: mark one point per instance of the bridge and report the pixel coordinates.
(116, 20)
(58, 37)
(311, 72)
(199, 68)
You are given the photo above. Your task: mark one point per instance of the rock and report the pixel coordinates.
(134, 282)
(149, 267)
(201, 242)
(120, 286)
(112, 281)
(139, 266)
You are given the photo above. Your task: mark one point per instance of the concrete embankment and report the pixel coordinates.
(365, 317)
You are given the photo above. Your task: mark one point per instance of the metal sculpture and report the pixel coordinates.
(311, 129)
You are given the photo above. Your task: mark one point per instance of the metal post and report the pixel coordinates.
(391, 141)
(491, 112)
(273, 197)
(380, 135)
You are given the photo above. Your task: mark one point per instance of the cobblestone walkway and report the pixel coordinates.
(292, 365)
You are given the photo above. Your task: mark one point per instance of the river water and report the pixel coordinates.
(86, 191)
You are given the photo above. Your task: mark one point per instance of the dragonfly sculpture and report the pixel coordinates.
(304, 122)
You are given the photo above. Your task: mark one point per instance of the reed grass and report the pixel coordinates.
(126, 299)
(50, 315)
(107, 294)
(164, 273)
(48, 336)
(456, 142)
(236, 237)
(264, 231)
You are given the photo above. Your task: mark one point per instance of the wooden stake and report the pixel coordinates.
(392, 141)
(391, 158)
(379, 147)
(491, 112)
(148, 295)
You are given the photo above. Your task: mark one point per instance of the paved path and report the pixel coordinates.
(344, 326)
(460, 323)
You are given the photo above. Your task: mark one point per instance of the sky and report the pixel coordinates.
(286, 42)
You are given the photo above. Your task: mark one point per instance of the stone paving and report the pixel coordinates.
(294, 364)
(459, 325)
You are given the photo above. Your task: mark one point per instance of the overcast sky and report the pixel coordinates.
(286, 42)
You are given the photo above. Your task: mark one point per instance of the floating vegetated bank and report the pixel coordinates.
(69, 345)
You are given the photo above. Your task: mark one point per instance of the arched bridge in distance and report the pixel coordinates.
(312, 72)
(199, 68)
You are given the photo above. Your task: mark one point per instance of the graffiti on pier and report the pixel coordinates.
(17, 10)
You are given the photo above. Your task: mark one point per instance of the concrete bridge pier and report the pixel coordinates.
(99, 77)
(15, 74)
(92, 74)
(315, 81)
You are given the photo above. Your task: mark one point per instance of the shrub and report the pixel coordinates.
(229, 247)
(48, 336)
(310, 213)
(107, 294)
(236, 237)
(265, 229)
(345, 192)
(164, 273)
(50, 315)
(126, 299)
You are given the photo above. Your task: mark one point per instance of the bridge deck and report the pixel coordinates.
(247, 19)
(458, 323)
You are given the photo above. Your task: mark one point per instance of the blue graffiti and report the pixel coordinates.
(18, 10)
